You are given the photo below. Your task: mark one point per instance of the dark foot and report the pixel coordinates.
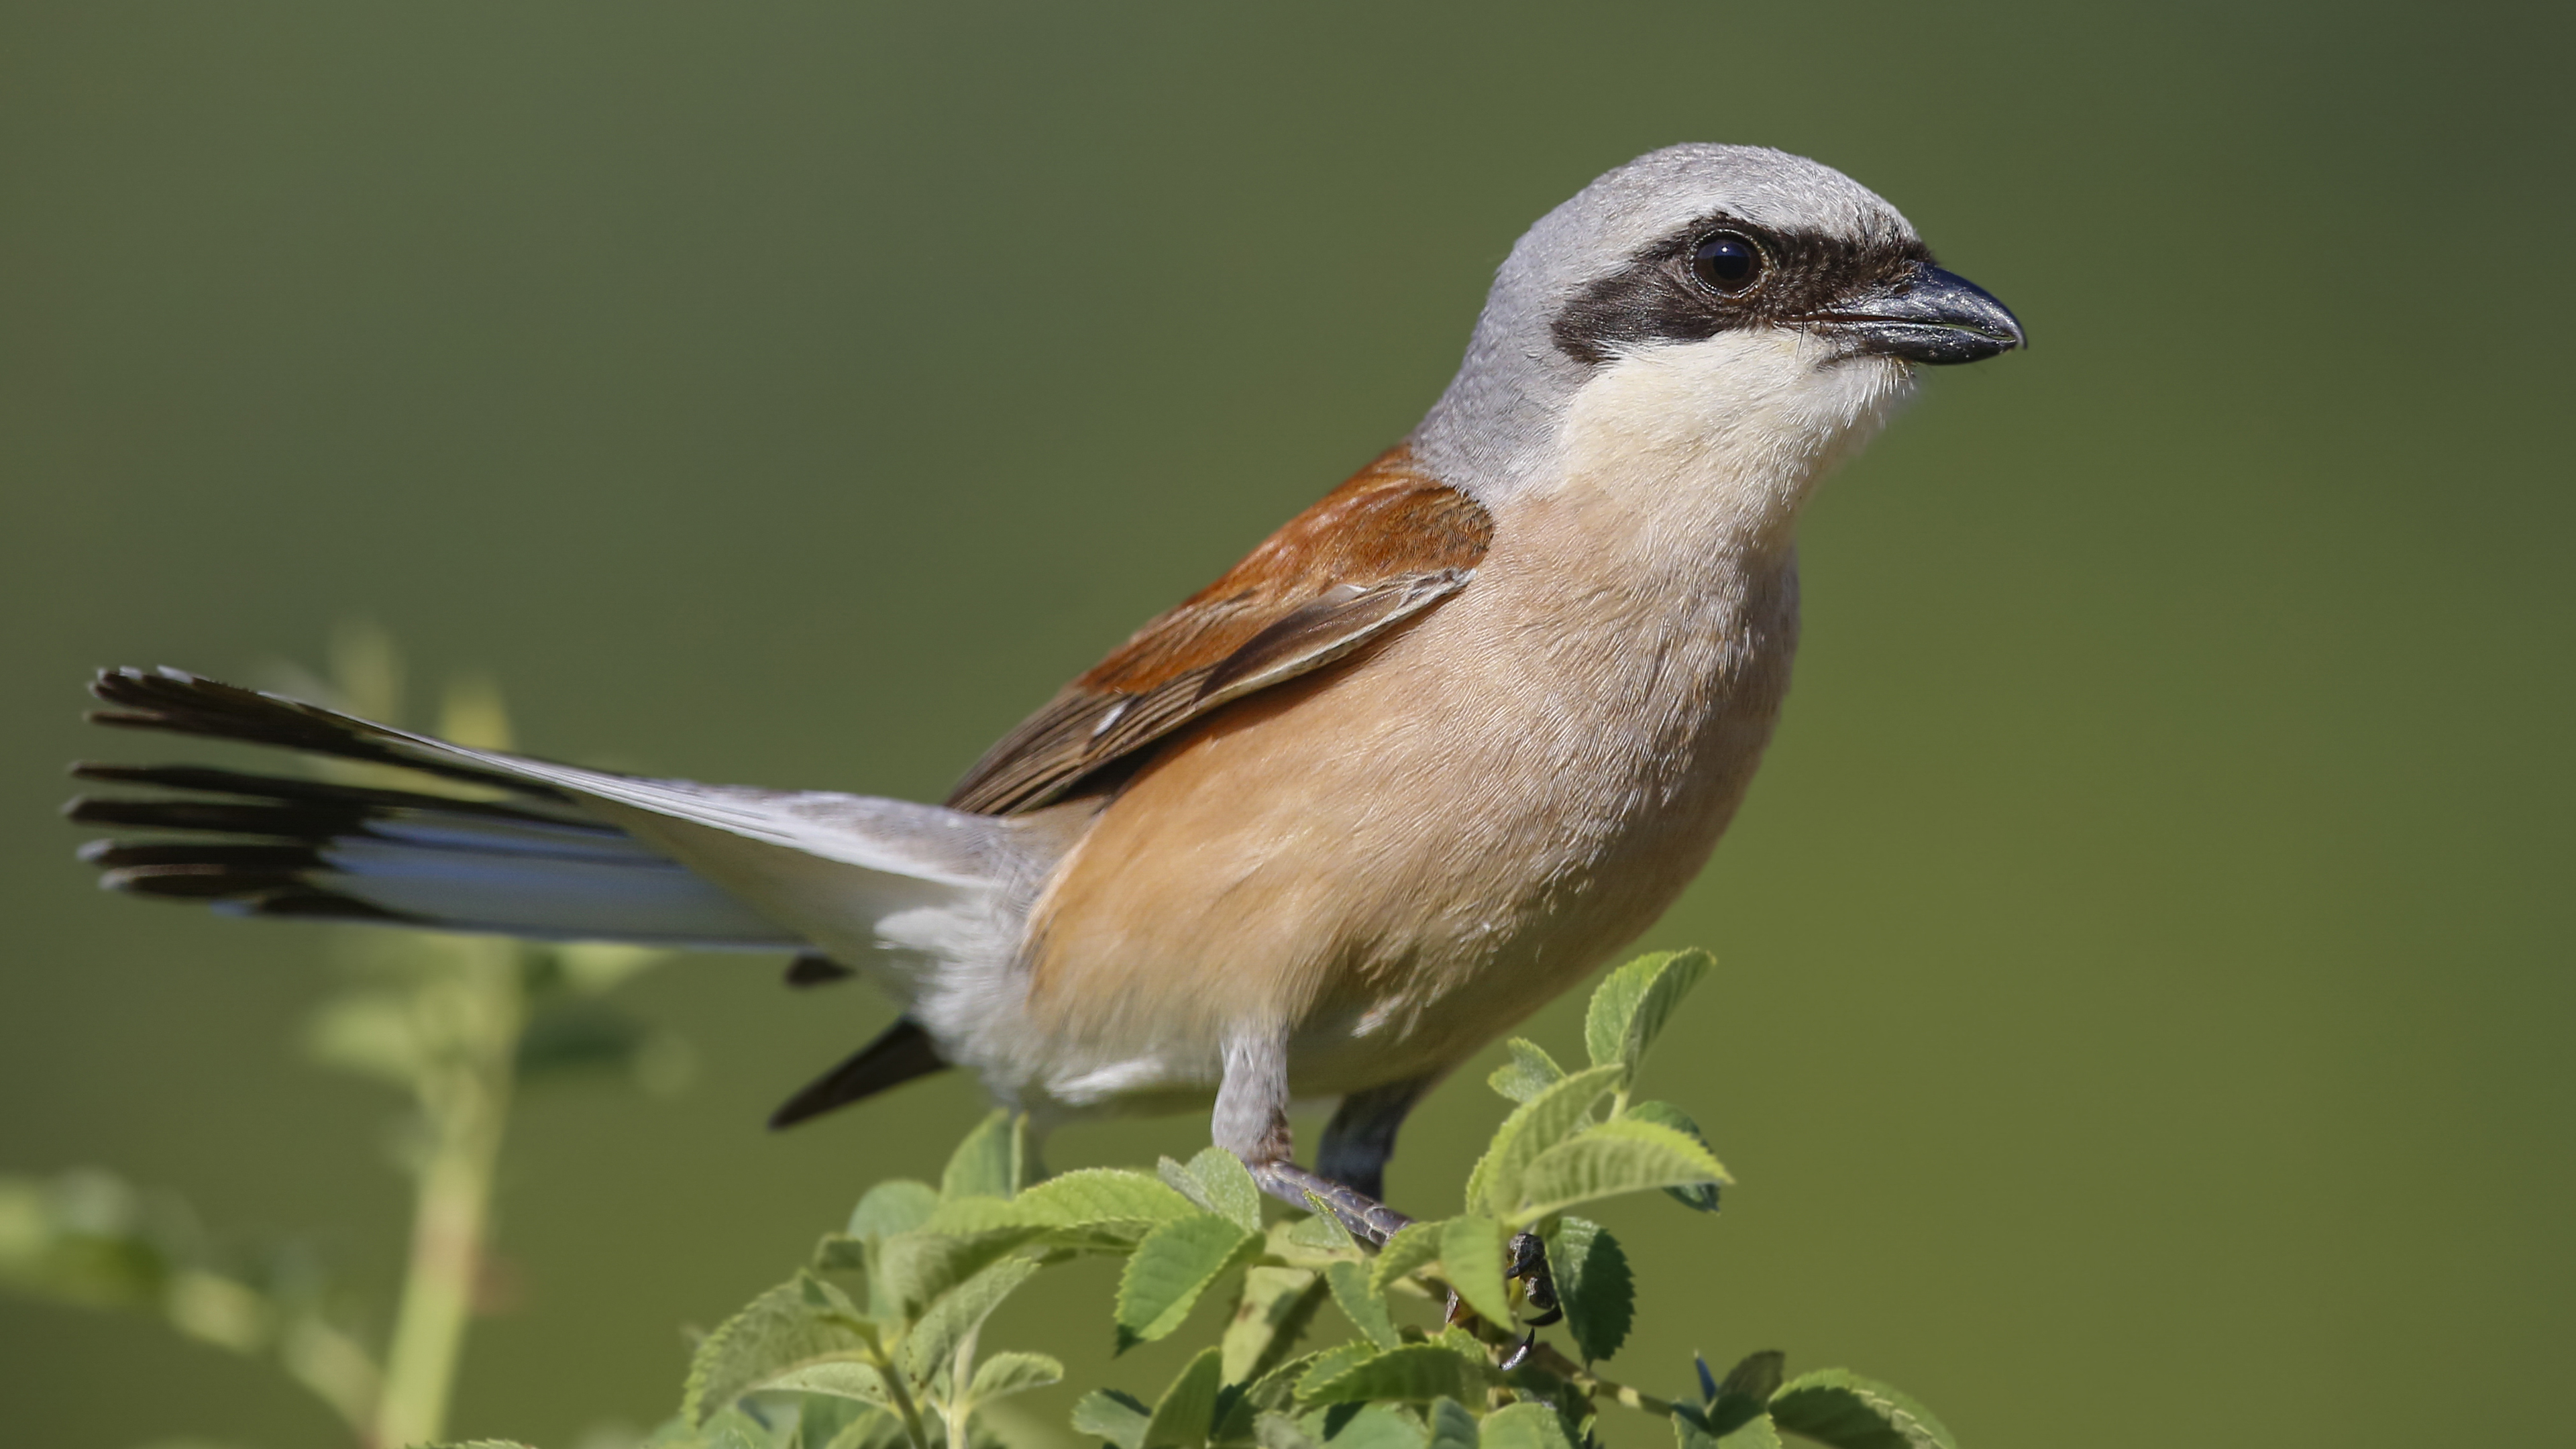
(1529, 1265)
(1368, 1220)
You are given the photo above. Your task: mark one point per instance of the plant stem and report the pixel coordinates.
(474, 1014)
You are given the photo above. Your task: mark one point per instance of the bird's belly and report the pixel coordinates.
(1398, 861)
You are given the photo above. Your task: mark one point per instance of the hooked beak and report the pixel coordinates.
(1930, 316)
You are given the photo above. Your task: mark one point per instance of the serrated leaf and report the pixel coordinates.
(915, 1269)
(1593, 1285)
(899, 1206)
(1005, 1374)
(1320, 1232)
(959, 1311)
(1415, 1246)
(987, 1163)
(1529, 1072)
(840, 1378)
(1473, 1259)
(1690, 1431)
(1365, 1309)
(778, 1331)
(1747, 1389)
(1270, 1315)
(1532, 1128)
(1452, 1427)
(1840, 1408)
(1231, 1191)
(1174, 1264)
(1616, 1157)
(1187, 1410)
(1632, 1004)
(1111, 1415)
(1522, 1426)
(1323, 1368)
(1114, 1203)
(1277, 1389)
(1416, 1373)
(1699, 1196)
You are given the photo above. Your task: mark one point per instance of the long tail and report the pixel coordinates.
(536, 849)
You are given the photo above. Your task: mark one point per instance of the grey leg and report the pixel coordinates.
(1251, 1121)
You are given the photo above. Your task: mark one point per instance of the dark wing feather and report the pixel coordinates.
(1381, 549)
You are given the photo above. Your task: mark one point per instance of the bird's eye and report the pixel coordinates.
(1727, 264)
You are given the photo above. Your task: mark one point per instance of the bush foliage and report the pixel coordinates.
(875, 1343)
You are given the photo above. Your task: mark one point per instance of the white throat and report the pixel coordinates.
(1702, 453)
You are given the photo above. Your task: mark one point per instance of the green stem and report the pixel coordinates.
(960, 1407)
(477, 1014)
(905, 1408)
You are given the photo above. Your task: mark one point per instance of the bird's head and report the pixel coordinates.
(1702, 298)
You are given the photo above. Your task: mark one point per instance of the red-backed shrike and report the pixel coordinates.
(1416, 765)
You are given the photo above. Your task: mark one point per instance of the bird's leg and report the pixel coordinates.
(1251, 1121)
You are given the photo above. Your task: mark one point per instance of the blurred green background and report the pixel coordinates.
(2145, 997)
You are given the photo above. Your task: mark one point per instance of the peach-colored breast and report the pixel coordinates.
(1401, 857)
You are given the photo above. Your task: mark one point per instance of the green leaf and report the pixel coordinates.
(1415, 1246)
(1616, 1157)
(1417, 1372)
(1270, 1316)
(1530, 1072)
(1701, 1196)
(1533, 1127)
(1170, 1269)
(1472, 1258)
(1187, 1410)
(840, 1378)
(1452, 1427)
(1274, 1430)
(1332, 1363)
(1111, 1415)
(1229, 1186)
(1364, 1308)
(961, 1310)
(1747, 1390)
(1320, 1232)
(900, 1206)
(1840, 1408)
(1593, 1285)
(872, 1429)
(988, 1163)
(1364, 1427)
(915, 1269)
(1758, 1432)
(1523, 1426)
(1690, 1431)
(1113, 1204)
(799, 1321)
(1005, 1374)
(1632, 1004)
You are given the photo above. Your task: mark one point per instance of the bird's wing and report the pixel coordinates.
(1381, 549)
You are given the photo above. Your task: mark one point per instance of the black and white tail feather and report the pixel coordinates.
(551, 852)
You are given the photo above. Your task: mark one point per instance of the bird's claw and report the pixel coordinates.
(1529, 1266)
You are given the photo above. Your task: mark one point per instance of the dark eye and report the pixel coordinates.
(1727, 263)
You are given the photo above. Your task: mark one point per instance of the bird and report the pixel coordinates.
(1419, 763)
